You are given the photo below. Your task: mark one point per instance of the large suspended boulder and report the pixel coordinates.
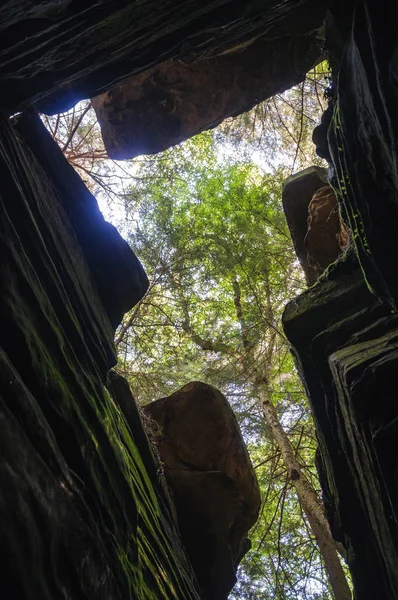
(169, 103)
(212, 481)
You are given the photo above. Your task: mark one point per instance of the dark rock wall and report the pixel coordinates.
(81, 513)
(212, 480)
(363, 139)
(346, 344)
(81, 516)
(344, 330)
(59, 52)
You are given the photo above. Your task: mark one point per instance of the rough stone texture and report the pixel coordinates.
(119, 277)
(165, 105)
(213, 483)
(61, 51)
(312, 213)
(327, 236)
(298, 190)
(346, 344)
(81, 514)
(344, 330)
(125, 401)
(363, 136)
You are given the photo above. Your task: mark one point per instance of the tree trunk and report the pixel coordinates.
(308, 498)
(333, 567)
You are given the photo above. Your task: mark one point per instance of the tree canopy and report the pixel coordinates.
(206, 220)
(214, 242)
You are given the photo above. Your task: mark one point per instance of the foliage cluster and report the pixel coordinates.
(206, 220)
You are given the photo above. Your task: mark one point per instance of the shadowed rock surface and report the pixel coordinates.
(312, 213)
(81, 514)
(212, 481)
(344, 329)
(298, 190)
(60, 52)
(363, 138)
(346, 344)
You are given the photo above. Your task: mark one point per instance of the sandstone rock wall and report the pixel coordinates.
(344, 329)
(345, 342)
(80, 516)
(58, 52)
(81, 513)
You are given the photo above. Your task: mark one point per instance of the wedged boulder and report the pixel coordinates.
(312, 213)
(161, 107)
(212, 481)
(327, 236)
(298, 190)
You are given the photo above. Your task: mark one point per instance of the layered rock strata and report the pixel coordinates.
(81, 514)
(59, 52)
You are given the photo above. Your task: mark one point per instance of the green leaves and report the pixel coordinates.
(206, 220)
(214, 242)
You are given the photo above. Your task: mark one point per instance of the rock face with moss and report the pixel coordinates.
(213, 483)
(81, 512)
(84, 513)
(344, 330)
(346, 344)
(363, 135)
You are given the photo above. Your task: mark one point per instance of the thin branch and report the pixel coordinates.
(75, 128)
(301, 126)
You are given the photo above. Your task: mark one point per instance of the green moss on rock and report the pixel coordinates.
(82, 514)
